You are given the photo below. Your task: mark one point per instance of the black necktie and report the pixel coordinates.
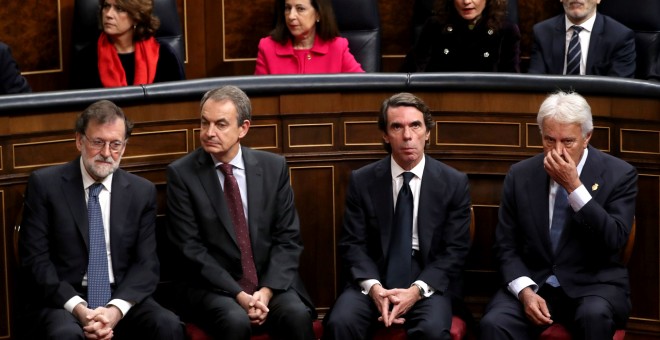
(574, 52)
(249, 280)
(399, 258)
(98, 282)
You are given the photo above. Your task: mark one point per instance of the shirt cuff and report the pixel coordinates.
(428, 290)
(123, 305)
(521, 283)
(579, 197)
(367, 284)
(73, 302)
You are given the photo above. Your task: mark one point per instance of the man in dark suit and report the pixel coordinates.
(233, 221)
(11, 80)
(606, 47)
(59, 242)
(564, 217)
(434, 243)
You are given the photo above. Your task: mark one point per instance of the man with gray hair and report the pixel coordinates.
(564, 217)
(234, 225)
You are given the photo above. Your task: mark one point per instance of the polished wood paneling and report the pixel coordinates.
(326, 135)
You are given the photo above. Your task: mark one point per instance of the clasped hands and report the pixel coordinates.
(256, 305)
(400, 300)
(98, 324)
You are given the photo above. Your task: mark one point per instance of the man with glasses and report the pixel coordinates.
(565, 216)
(88, 245)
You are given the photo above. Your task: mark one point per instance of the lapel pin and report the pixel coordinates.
(594, 187)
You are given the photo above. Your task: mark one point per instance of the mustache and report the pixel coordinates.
(104, 159)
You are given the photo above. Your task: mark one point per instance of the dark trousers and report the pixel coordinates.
(589, 317)
(146, 320)
(355, 316)
(223, 318)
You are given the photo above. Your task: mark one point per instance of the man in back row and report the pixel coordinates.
(583, 41)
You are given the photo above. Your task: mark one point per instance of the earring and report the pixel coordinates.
(134, 27)
(317, 20)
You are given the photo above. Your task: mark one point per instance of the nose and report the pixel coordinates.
(292, 14)
(105, 150)
(407, 132)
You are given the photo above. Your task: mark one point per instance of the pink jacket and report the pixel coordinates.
(330, 56)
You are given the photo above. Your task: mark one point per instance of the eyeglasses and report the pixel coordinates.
(568, 142)
(99, 144)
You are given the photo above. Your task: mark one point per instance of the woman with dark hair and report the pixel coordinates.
(126, 52)
(466, 35)
(305, 40)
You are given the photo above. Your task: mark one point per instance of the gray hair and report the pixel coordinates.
(566, 108)
(233, 94)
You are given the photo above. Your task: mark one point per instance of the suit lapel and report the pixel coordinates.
(559, 46)
(209, 177)
(594, 42)
(74, 194)
(120, 201)
(381, 194)
(254, 178)
(538, 189)
(428, 199)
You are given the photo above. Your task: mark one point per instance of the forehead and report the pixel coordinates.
(114, 128)
(298, 2)
(218, 109)
(401, 114)
(552, 127)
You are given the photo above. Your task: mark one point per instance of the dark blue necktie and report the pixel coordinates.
(574, 52)
(559, 219)
(399, 259)
(98, 283)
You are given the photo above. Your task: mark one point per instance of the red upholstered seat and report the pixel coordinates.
(195, 333)
(559, 332)
(458, 331)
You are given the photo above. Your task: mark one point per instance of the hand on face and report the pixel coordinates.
(561, 168)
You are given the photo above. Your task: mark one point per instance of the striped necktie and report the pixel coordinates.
(574, 52)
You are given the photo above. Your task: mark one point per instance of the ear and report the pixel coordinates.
(244, 129)
(79, 141)
(587, 138)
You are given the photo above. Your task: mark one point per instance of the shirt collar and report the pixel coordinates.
(88, 180)
(418, 170)
(587, 25)
(237, 161)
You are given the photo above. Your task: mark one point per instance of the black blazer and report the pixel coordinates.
(443, 224)
(453, 47)
(54, 239)
(201, 229)
(588, 258)
(611, 48)
(11, 80)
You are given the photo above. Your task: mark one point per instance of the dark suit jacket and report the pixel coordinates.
(201, 229)
(611, 48)
(11, 80)
(443, 224)
(55, 237)
(588, 258)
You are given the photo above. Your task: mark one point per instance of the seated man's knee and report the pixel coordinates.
(594, 310)
(65, 331)
(429, 330)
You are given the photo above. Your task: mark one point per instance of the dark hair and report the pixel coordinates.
(494, 13)
(403, 99)
(141, 11)
(326, 27)
(101, 112)
(233, 94)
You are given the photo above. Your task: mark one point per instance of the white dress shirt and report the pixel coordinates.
(585, 38)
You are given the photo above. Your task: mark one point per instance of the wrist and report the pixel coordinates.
(420, 290)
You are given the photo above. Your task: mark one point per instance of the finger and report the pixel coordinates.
(260, 305)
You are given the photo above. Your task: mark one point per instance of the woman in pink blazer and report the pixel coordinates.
(305, 40)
